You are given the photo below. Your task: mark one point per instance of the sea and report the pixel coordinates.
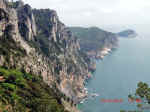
(117, 76)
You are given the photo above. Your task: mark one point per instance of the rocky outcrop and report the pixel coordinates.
(36, 41)
(127, 34)
(94, 41)
(26, 22)
(3, 4)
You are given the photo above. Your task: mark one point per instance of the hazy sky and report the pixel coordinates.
(98, 12)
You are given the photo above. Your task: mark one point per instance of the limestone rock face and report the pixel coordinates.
(26, 22)
(37, 42)
(2, 60)
(64, 49)
(27, 59)
(3, 4)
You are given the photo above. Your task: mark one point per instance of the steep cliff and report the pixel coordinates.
(63, 49)
(36, 42)
(94, 41)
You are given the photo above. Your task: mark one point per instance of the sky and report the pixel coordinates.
(98, 12)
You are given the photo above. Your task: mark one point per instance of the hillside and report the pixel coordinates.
(23, 92)
(37, 42)
(94, 40)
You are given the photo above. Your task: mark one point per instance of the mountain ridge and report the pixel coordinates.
(36, 42)
(95, 41)
(51, 52)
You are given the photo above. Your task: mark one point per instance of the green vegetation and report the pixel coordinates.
(122, 111)
(8, 47)
(143, 94)
(93, 38)
(22, 92)
(143, 91)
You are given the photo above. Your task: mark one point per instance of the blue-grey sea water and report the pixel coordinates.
(117, 76)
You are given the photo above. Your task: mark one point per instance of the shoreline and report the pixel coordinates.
(105, 51)
(101, 55)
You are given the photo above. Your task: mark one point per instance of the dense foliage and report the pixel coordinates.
(142, 92)
(22, 92)
(142, 97)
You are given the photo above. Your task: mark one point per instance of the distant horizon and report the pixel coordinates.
(114, 16)
(98, 12)
(139, 28)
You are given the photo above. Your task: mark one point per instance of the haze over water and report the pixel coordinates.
(117, 76)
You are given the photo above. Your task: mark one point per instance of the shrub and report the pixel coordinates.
(24, 92)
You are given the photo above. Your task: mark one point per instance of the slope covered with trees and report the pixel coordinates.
(24, 92)
(94, 39)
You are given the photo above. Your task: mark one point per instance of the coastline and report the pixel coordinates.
(96, 56)
(105, 51)
(100, 54)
